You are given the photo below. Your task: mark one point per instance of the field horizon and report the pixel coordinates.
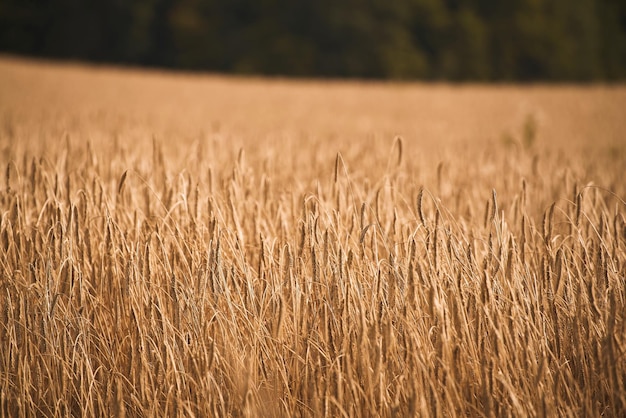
(204, 245)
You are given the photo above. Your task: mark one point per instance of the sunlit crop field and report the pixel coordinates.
(199, 245)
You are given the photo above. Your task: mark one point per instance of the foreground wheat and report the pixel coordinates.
(128, 288)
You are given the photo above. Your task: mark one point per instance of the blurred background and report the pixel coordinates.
(456, 40)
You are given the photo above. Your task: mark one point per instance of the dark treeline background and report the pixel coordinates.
(522, 40)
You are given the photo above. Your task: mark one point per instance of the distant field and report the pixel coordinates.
(200, 245)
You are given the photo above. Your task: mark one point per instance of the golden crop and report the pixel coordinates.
(185, 245)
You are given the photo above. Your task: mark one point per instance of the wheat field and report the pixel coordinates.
(201, 245)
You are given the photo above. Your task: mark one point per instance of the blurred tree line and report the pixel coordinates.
(519, 40)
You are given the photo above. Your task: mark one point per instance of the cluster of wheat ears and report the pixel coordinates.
(309, 282)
